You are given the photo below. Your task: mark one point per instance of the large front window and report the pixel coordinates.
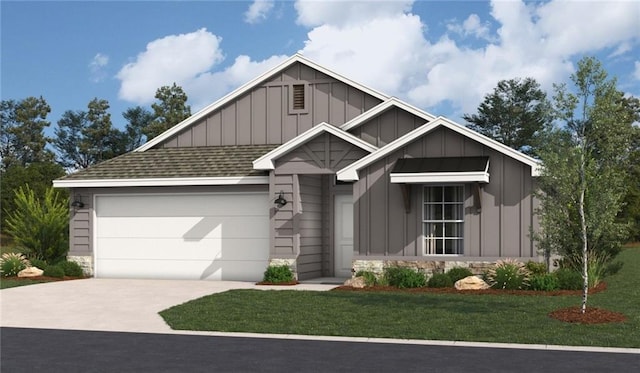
(443, 219)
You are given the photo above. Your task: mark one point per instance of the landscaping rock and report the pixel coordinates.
(471, 283)
(357, 282)
(30, 272)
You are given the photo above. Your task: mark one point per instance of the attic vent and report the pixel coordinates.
(298, 97)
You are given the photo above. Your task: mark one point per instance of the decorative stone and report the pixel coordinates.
(471, 283)
(357, 282)
(30, 272)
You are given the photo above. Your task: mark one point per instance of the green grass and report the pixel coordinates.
(6, 283)
(486, 318)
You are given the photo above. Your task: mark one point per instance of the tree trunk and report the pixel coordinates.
(583, 226)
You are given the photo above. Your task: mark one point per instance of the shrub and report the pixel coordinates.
(370, 278)
(278, 274)
(12, 263)
(41, 226)
(458, 273)
(536, 268)
(72, 269)
(568, 279)
(543, 282)
(508, 274)
(39, 263)
(404, 277)
(54, 271)
(440, 280)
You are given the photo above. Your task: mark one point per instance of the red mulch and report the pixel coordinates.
(592, 315)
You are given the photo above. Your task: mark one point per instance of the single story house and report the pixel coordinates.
(305, 167)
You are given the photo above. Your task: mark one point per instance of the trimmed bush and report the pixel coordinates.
(508, 274)
(278, 274)
(12, 263)
(440, 280)
(54, 271)
(458, 273)
(72, 269)
(370, 278)
(536, 268)
(39, 263)
(404, 277)
(543, 282)
(568, 279)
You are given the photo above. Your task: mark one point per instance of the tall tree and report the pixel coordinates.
(583, 180)
(171, 109)
(83, 138)
(517, 113)
(138, 118)
(22, 124)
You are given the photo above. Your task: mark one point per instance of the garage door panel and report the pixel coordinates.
(199, 236)
(185, 227)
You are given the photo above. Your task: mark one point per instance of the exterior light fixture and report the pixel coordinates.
(280, 201)
(77, 204)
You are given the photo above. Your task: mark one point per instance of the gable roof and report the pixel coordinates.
(221, 165)
(381, 108)
(297, 58)
(266, 161)
(350, 173)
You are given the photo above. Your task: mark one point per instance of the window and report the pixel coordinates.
(298, 97)
(443, 219)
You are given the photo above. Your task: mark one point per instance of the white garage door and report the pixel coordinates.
(195, 236)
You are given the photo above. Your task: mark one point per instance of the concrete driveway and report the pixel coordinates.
(122, 305)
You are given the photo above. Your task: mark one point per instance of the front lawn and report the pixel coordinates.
(461, 317)
(12, 282)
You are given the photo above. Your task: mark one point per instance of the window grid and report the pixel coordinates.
(443, 219)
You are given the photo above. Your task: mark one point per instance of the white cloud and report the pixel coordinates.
(347, 13)
(175, 58)
(471, 26)
(96, 67)
(258, 11)
(636, 71)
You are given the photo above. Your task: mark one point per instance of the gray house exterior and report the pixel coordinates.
(369, 181)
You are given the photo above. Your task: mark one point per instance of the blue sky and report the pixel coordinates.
(440, 56)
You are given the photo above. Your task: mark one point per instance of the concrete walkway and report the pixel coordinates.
(110, 304)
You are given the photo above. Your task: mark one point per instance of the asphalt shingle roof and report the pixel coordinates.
(214, 161)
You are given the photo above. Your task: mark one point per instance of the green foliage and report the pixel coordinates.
(72, 269)
(39, 263)
(440, 280)
(458, 273)
(370, 278)
(536, 268)
(12, 263)
(278, 274)
(516, 114)
(404, 277)
(569, 279)
(54, 271)
(543, 282)
(170, 110)
(508, 274)
(138, 118)
(40, 225)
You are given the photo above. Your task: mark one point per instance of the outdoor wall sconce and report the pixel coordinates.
(77, 204)
(280, 201)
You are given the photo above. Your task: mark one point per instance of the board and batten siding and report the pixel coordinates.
(311, 216)
(264, 114)
(388, 126)
(500, 229)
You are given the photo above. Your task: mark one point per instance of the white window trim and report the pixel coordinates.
(440, 177)
(424, 220)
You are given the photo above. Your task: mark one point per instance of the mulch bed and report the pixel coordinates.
(278, 283)
(592, 315)
(43, 278)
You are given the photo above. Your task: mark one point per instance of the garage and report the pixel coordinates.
(217, 236)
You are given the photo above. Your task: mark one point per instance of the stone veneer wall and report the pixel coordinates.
(85, 262)
(427, 267)
(276, 262)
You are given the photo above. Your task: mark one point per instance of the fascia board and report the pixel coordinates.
(187, 181)
(440, 177)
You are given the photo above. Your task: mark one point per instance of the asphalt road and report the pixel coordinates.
(49, 350)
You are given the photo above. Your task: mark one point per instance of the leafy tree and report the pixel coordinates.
(631, 210)
(22, 124)
(40, 225)
(583, 180)
(171, 109)
(138, 119)
(517, 113)
(83, 138)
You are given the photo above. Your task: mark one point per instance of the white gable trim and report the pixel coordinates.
(170, 181)
(350, 173)
(379, 109)
(266, 161)
(248, 86)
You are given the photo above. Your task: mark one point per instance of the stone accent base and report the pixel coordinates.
(292, 263)
(85, 262)
(428, 267)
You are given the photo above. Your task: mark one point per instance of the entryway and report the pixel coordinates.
(343, 235)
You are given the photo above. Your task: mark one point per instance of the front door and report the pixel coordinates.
(343, 235)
